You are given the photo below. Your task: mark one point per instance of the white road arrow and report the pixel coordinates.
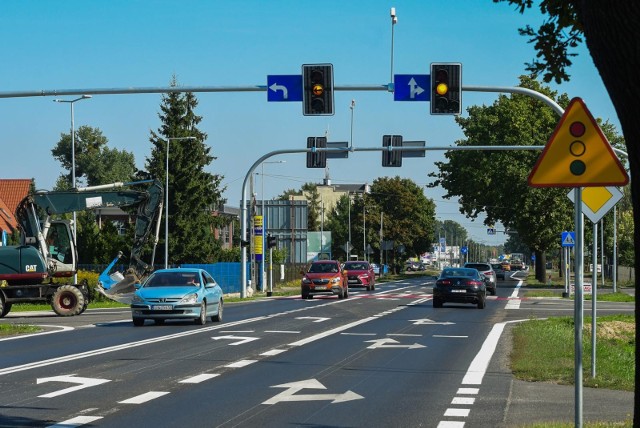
(84, 382)
(275, 88)
(293, 387)
(414, 89)
(239, 339)
(315, 319)
(427, 321)
(391, 343)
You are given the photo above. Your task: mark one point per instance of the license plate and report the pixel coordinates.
(353, 281)
(459, 291)
(162, 307)
(320, 287)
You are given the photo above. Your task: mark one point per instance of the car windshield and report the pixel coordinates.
(170, 279)
(450, 273)
(323, 268)
(355, 266)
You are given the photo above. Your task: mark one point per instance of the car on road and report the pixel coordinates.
(324, 277)
(487, 270)
(376, 268)
(499, 270)
(177, 293)
(360, 274)
(460, 285)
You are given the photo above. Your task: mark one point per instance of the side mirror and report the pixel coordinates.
(137, 286)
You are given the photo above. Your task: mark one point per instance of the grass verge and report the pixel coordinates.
(543, 350)
(15, 329)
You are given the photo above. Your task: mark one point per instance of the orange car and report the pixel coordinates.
(506, 266)
(324, 277)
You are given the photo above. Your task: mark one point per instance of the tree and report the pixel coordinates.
(408, 219)
(609, 31)
(193, 192)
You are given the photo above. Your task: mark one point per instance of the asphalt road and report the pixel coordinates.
(377, 359)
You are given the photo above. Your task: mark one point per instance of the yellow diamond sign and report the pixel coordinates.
(597, 201)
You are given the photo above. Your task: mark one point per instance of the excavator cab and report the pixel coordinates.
(61, 255)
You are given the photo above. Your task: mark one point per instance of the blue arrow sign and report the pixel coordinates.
(286, 87)
(411, 87)
(464, 250)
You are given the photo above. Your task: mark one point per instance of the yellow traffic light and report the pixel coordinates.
(442, 89)
(318, 89)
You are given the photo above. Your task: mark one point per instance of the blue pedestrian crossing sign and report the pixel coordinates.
(568, 239)
(411, 87)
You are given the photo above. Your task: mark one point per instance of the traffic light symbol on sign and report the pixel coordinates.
(317, 91)
(577, 154)
(446, 88)
(392, 158)
(316, 159)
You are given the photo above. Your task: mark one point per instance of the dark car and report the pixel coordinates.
(488, 271)
(324, 277)
(460, 285)
(360, 274)
(497, 268)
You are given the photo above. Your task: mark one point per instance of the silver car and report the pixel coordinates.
(487, 270)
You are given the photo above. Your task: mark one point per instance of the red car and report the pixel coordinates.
(360, 274)
(324, 277)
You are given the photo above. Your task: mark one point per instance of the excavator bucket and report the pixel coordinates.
(117, 286)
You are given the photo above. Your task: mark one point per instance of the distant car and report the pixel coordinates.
(360, 274)
(460, 285)
(506, 266)
(175, 294)
(324, 277)
(376, 268)
(499, 270)
(487, 270)
(411, 266)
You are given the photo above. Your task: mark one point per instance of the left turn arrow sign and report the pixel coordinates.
(82, 382)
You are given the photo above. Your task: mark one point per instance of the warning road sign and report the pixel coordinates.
(578, 154)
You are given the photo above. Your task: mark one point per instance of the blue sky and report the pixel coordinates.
(116, 44)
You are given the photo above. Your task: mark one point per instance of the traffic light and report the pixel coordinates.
(392, 158)
(272, 241)
(316, 159)
(317, 89)
(446, 88)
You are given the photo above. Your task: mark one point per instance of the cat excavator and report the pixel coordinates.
(47, 249)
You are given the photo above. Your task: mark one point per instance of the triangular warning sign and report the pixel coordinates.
(577, 154)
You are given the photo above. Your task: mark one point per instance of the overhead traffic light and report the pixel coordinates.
(446, 88)
(392, 158)
(317, 89)
(272, 241)
(316, 159)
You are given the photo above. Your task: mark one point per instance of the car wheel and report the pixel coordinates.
(138, 322)
(4, 306)
(218, 317)
(305, 296)
(493, 291)
(437, 303)
(346, 292)
(67, 301)
(341, 294)
(481, 302)
(202, 319)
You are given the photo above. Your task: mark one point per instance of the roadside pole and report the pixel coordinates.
(578, 305)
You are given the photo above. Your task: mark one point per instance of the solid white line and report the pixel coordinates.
(479, 365)
(282, 331)
(457, 412)
(143, 398)
(358, 334)
(75, 422)
(199, 378)
(241, 363)
(452, 337)
(516, 290)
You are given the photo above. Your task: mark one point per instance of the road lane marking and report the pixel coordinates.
(82, 382)
(199, 378)
(273, 352)
(283, 331)
(450, 337)
(238, 340)
(450, 424)
(461, 413)
(241, 363)
(469, 391)
(143, 398)
(463, 400)
(289, 394)
(76, 422)
(479, 365)
(23, 336)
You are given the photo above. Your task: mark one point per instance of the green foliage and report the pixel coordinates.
(193, 192)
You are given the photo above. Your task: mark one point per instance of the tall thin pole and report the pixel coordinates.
(594, 299)
(615, 249)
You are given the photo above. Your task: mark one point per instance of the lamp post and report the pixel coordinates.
(166, 200)
(264, 223)
(73, 166)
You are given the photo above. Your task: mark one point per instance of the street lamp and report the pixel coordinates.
(73, 165)
(264, 223)
(166, 201)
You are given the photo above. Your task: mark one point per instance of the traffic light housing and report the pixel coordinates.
(272, 241)
(316, 159)
(446, 88)
(392, 158)
(317, 89)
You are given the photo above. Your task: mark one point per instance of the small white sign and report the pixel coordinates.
(586, 288)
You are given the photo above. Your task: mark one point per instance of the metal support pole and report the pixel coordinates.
(594, 299)
(615, 249)
(578, 305)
